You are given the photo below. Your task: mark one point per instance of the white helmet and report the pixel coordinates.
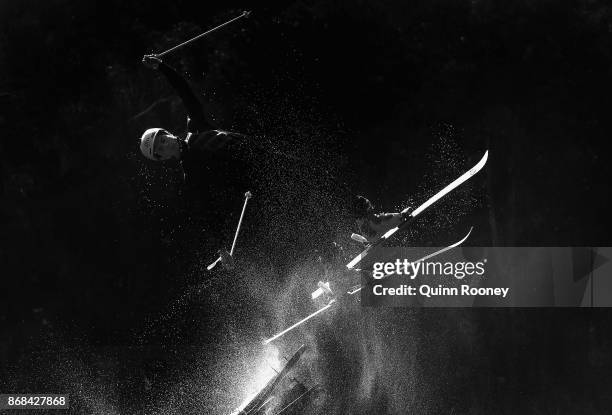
(147, 142)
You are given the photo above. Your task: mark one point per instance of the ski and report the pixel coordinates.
(357, 288)
(302, 321)
(460, 180)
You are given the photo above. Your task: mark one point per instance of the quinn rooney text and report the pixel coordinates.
(430, 291)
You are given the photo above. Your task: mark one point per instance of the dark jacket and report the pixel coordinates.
(214, 162)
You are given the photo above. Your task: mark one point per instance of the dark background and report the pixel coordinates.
(104, 293)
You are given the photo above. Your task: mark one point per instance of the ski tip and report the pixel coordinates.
(483, 160)
(466, 236)
(479, 165)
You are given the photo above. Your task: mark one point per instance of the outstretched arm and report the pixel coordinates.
(198, 121)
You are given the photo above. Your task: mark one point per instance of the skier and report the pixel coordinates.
(201, 141)
(216, 164)
(373, 225)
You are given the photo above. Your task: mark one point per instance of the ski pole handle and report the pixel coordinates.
(211, 266)
(193, 39)
(247, 196)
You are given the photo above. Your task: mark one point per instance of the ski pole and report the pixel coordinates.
(247, 196)
(193, 39)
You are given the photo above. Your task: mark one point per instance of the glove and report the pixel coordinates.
(151, 61)
(226, 260)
